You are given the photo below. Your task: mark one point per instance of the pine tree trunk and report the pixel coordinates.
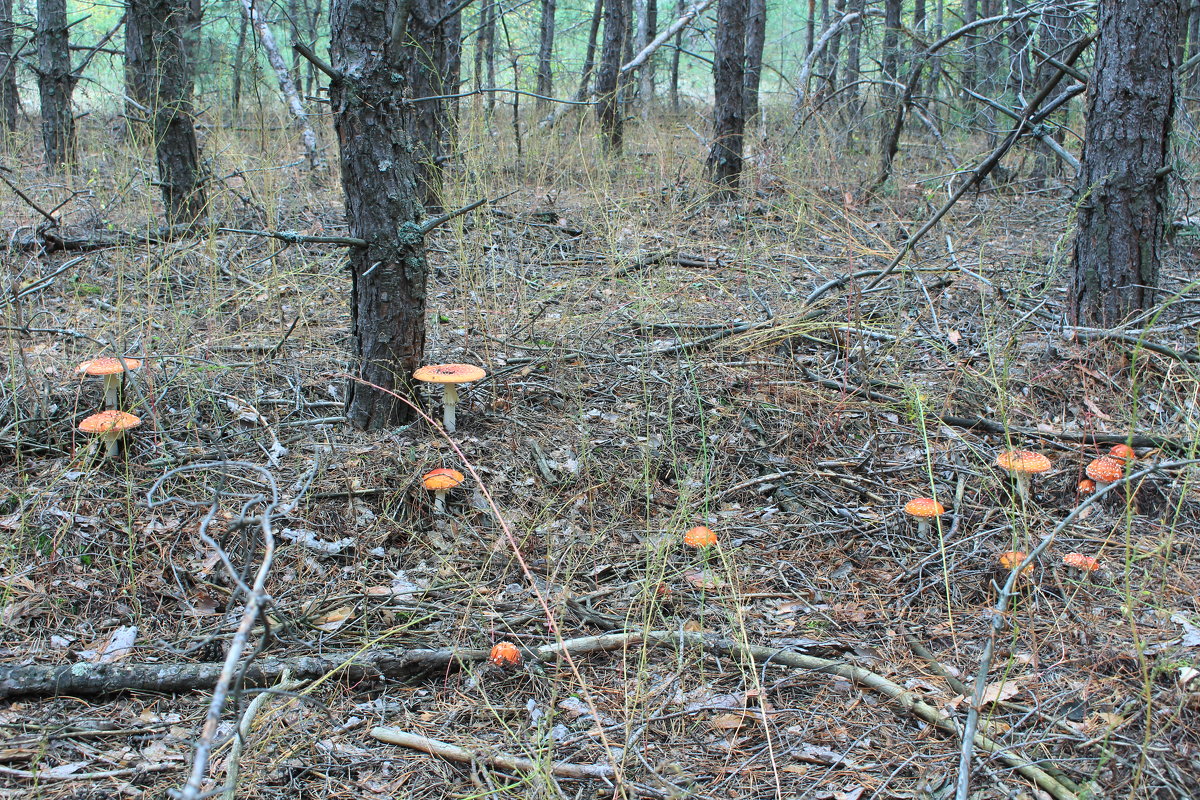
(379, 178)
(891, 54)
(424, 60)
(8, 70)
(239, 61)
(489, 54)
(647, 30)
(729, 89)
(287, 86)
(854, 62)
(756, 38)
(589, 58)
(56, 84)
(161, 77)
(832, 54)
(1122, 182)
(626, 87)
(970, 68)
(675, 54)
(545, 77)
(608, 109)
(451, 71)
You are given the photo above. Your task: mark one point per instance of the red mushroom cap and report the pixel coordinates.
(924, 507)
(505, 654)
(1080, 561)
(1105, 469)
(1023, 461)
(1123, 452)
(700, 537)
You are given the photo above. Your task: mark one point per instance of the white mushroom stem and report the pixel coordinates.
(110, 440)
(1024, 479)
(111, 382)
(1102, 485)
(923, 526)
(449, 401)
(439, 501)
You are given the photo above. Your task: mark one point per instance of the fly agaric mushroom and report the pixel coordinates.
(440, 481)
(505, 654)
(1081, 562)
(1011, 559)
(924, 509)
(1122, 452)
(1086, 486)
(110, 426)
(1023, 465)
(451, 375)
(1104, 471)
(700, 537)
(112, 369)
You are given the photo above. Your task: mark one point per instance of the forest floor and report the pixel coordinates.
(654, 364)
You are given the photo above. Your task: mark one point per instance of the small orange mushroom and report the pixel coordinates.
(451, 375)
(1011, 559)
(700, 537)
(1086, 486)
(440, 481)
(1122, 452)
(1081, 562)
(1105, 470)
(505, 654)
(110, 426)
(1023, 465)
(112, 369)
(924, 509)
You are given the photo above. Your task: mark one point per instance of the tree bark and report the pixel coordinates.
(239, 60)
(422, 54)
(451, 71)
(675, 54)
(8, 70)
(647, 30)
(56, 84)
(488, 42)
(608, 109)
(545, 76)
(286, 85)
(756, 38)
(970, 70)
(891, 52)
(729, 82)
(379, 178)
(1123, 178)
(161, 77)
(854, 62)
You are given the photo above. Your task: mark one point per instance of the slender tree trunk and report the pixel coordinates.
(891, 52)
(810, 30)
(832, 54)
(729, 88)
(157, 59)
(988, 81)
(1194, 48)
(675, 54)
(451, 71)
(8, 70)
(489, 54)
(379, 178)
(589, 58)
(56, 84)
(1123, 181)
(1020, 68)
(239, 61)
(286, 86)
(970, 68)
(608, 110)
(626, 86)
(919, 16)
(854, 62)
(1056, 31)
(756, 38)
(647, 30)
(545, 78)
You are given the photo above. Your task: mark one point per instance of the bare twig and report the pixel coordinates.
(452, 752)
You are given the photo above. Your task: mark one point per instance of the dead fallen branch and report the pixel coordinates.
(452, 752)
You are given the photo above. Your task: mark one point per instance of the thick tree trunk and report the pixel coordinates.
(424, 50)
(545, 77)
(56, 84)
(286, 85)
(379, 177)
(8, 70)
(608, 109)
(729, 89)
(161, 77)
(1122, 181)
(756, 38)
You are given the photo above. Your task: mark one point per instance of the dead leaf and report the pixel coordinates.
(954, 336)
(334, 619)
(1000, 690)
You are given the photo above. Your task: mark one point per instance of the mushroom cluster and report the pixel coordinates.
(111, 424)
